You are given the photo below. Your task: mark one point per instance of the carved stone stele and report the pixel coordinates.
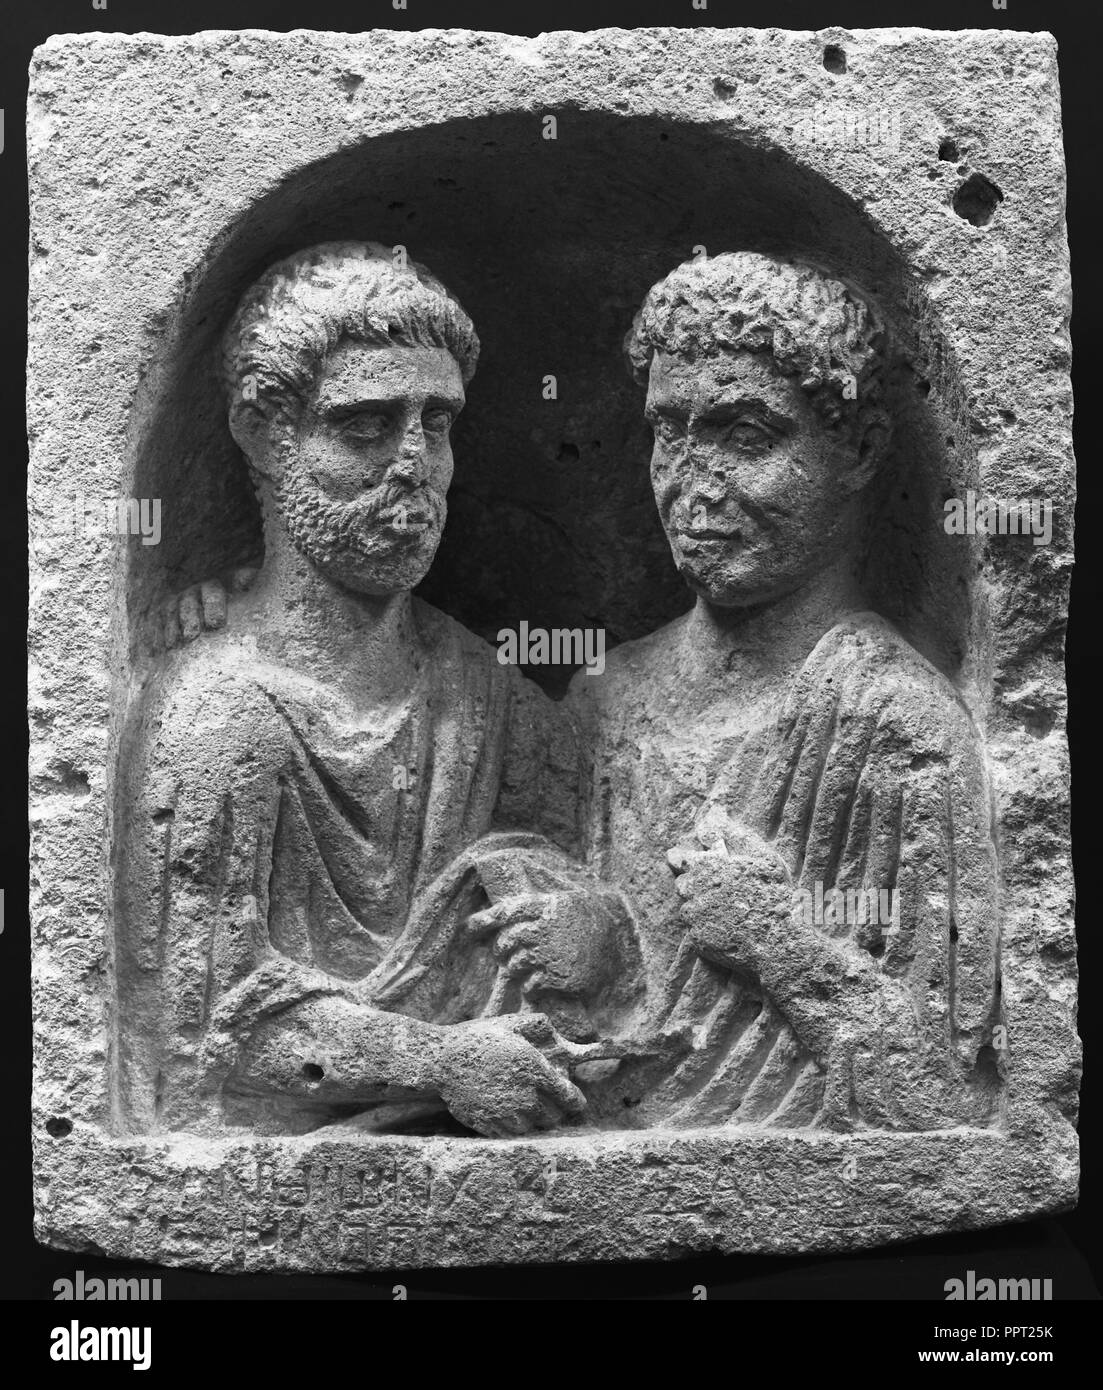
(549, 564)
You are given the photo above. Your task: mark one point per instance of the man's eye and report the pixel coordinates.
(436, 421)
(750, 433)
(667, 429)
(366, 427)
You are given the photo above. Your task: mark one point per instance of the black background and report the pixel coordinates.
(1065, 1248)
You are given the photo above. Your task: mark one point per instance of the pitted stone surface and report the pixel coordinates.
(310, 865)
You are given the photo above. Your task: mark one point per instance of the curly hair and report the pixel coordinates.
(304, 305)
(817, 329)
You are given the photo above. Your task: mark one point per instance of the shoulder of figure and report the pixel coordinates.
(214, 695)
(458, 657)
(446, 639)
(441, 633)
(630, 665)
(876, 672)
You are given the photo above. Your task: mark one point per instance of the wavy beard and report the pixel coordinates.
(346, 540)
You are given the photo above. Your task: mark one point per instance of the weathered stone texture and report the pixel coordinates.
(924, 179)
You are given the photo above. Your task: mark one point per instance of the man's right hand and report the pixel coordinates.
(496, 1082)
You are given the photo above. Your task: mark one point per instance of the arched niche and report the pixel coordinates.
(551, 245)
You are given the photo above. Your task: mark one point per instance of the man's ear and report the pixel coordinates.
(872, 432)
(251, 429)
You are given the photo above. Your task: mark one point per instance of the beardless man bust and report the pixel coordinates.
(781, 741)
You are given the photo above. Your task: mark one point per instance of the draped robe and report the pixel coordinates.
(277, 845)
(867, 772)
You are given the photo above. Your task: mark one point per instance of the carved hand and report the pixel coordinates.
(202, 607)
(497, 1082)
(734, 893)
(561, 943)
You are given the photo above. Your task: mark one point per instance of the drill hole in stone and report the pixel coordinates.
(977, 199)
(834, 58)
(313, 1072)
(948, 150)
(58, 1128)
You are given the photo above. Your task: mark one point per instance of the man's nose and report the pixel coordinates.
(705, 480)
(411, 462)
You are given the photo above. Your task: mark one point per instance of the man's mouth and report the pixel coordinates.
(406, 519)
(708, 533)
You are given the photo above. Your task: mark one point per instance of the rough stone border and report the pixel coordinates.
(340, 1203)
(133, 188)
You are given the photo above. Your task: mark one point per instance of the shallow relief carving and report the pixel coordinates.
(372, 871)
(721, 942)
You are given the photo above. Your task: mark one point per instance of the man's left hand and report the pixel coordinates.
(730, 900)
(559, 942)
